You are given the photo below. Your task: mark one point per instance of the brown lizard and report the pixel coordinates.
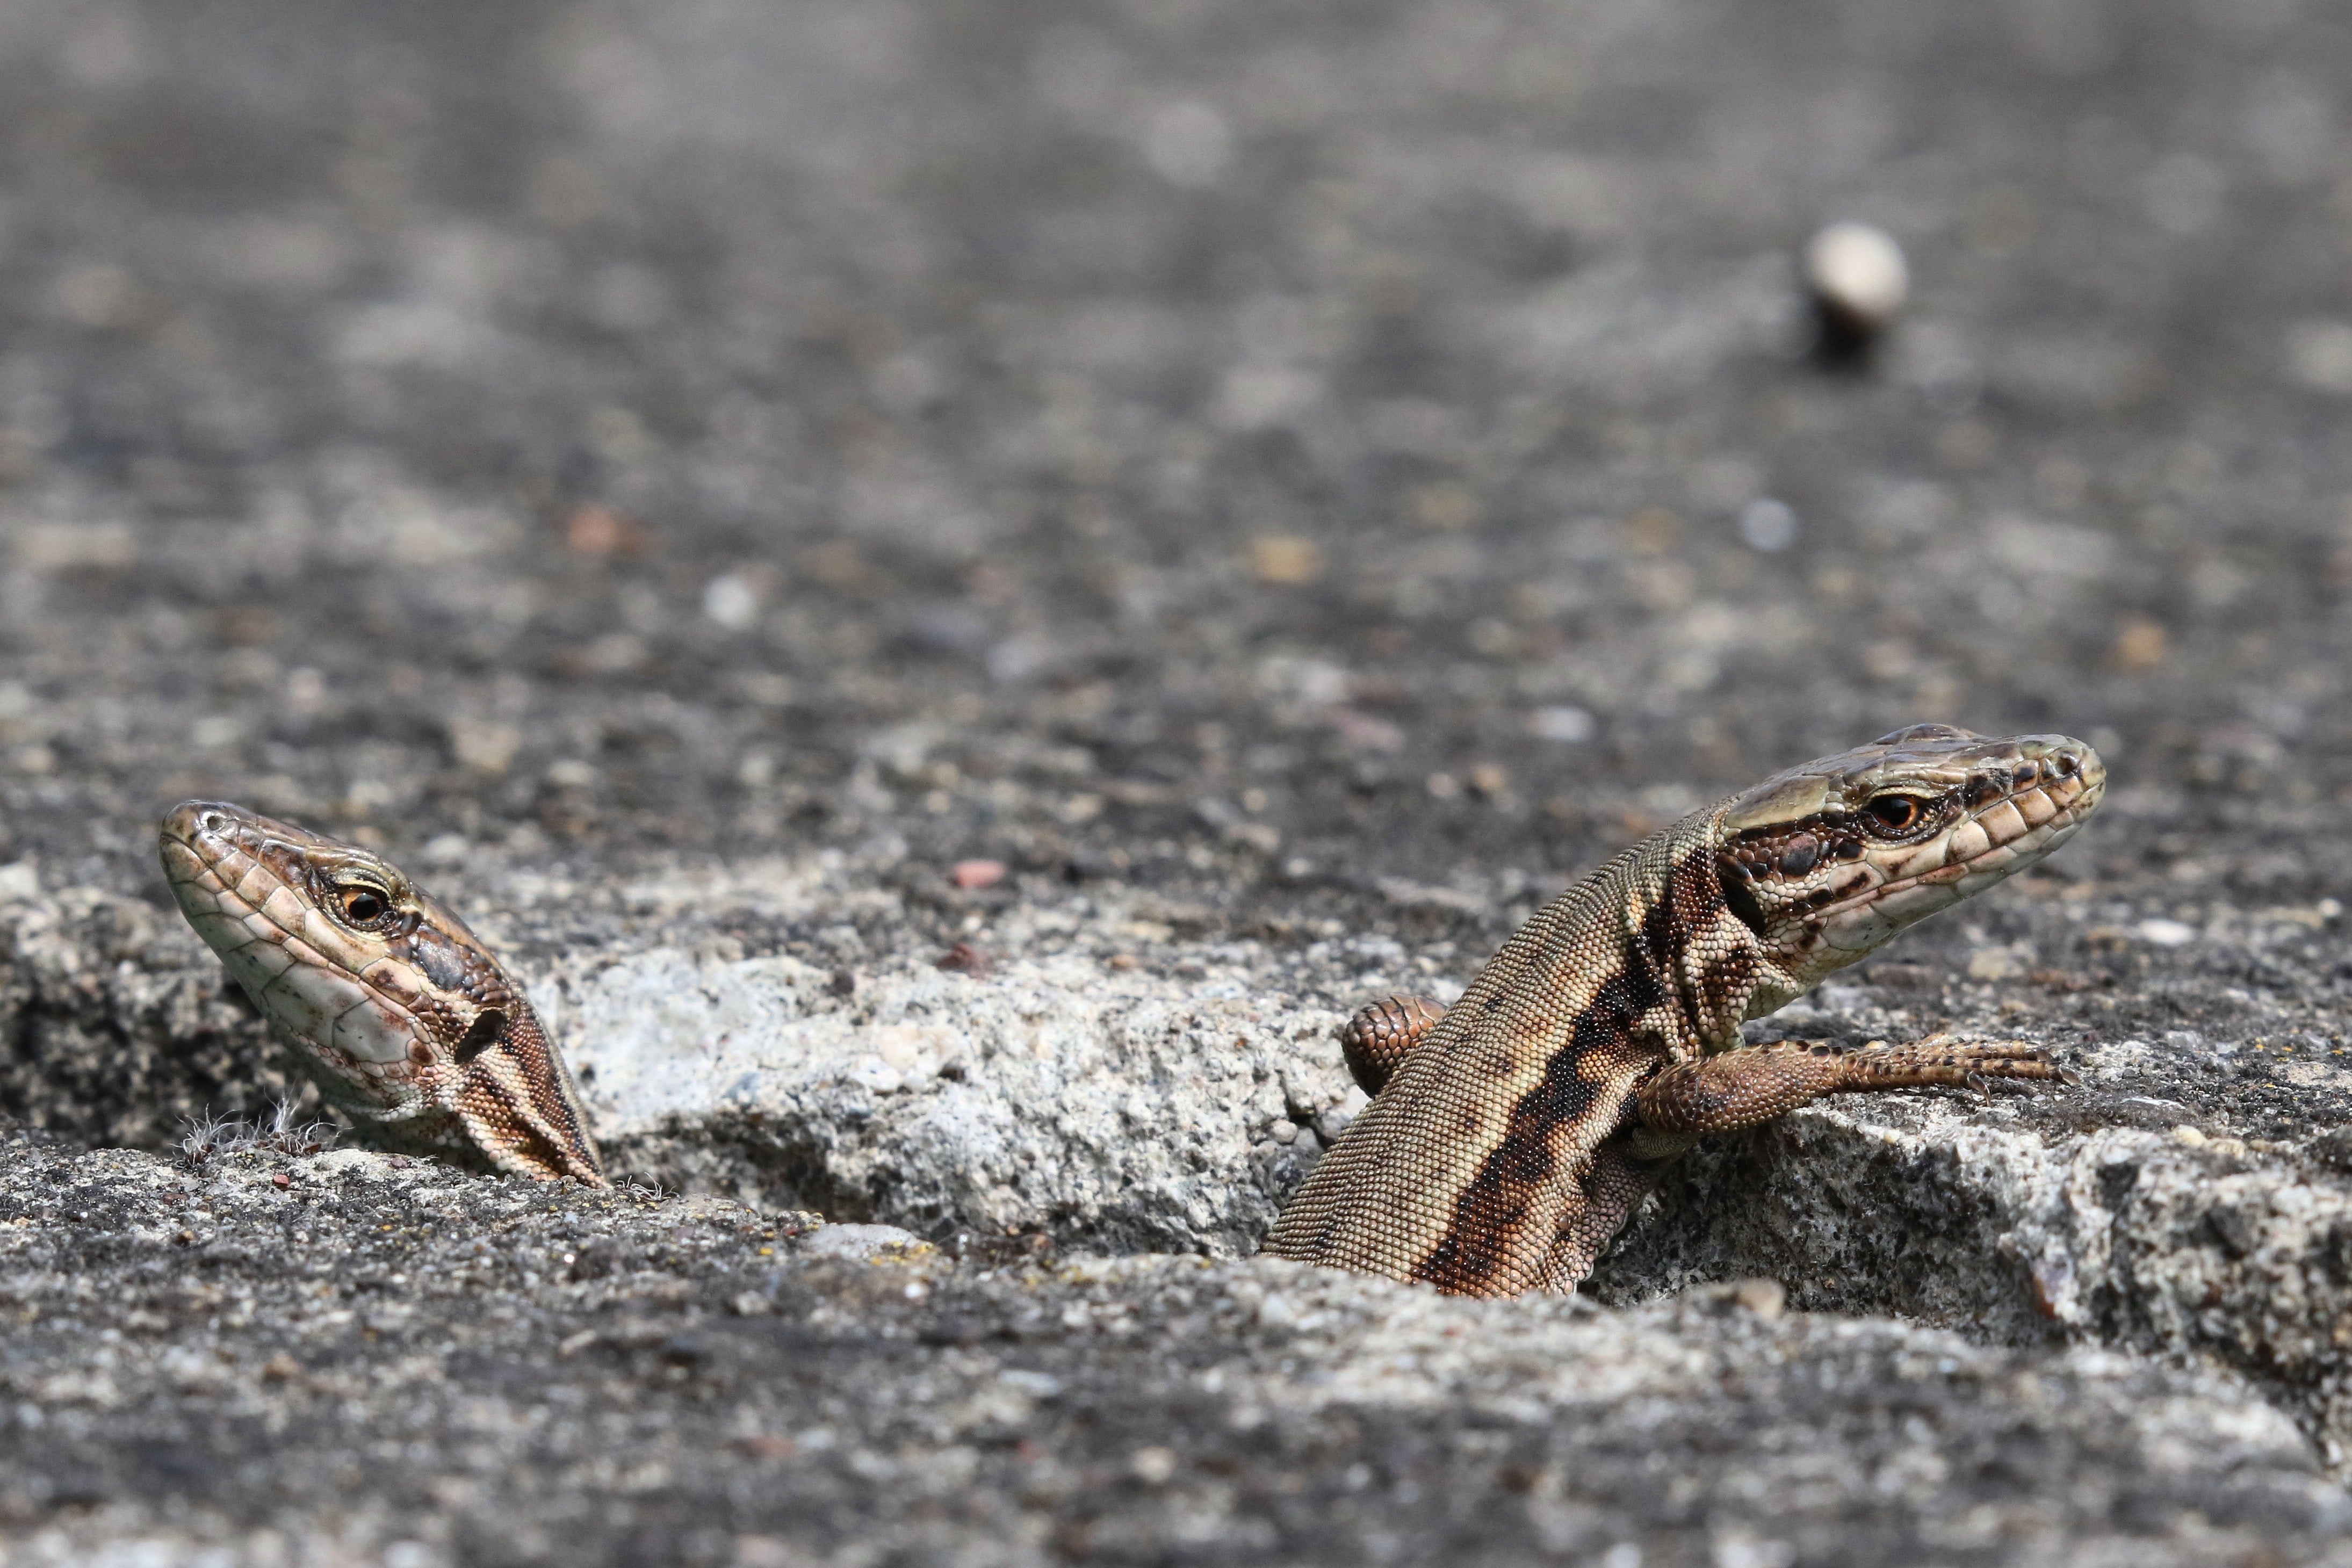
(398, 1013)
(1510, 1135)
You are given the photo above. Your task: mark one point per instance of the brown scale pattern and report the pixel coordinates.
(517, 1097)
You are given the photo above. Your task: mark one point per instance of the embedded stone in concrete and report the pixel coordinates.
(1129, 1111)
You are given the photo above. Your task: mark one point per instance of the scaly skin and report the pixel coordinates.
(401, 1016)
(1510, 1136)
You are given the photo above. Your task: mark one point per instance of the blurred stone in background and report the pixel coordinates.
(1858, 281)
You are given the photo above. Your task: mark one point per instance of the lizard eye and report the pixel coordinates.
(363, 905)
(1896, 814)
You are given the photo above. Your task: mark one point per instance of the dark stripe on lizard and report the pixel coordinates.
(1497, 1205)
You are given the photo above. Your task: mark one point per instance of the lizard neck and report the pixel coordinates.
(1709, 970)
(1643, 951)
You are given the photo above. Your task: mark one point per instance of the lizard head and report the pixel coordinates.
(1827, 861)
(374, 979)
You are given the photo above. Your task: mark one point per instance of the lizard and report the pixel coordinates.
(401, 1016)
(1510, 1136)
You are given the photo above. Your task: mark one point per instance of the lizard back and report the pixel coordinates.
(1463, 1172)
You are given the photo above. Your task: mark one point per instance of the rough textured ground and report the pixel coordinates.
(303, 1363)
(683, 477)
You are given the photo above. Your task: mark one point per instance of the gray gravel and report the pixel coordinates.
(1290, 486)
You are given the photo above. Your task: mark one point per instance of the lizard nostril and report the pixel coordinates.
(2066, 763)
(1799, 857)
(211, 823)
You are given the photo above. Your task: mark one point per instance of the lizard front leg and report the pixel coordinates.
(1749, 1085)
(1732, 1090)
(1619, 1176)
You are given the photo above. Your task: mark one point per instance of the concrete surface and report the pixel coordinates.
(1282, 483)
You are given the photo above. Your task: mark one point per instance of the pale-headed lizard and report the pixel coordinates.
(395, 1009)
(1510, 1135)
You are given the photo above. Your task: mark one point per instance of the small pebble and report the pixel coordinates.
(2142, 643)
(963, 959)
(1153, 1465)
(1858, 281)
(732, 601)
(972, 876)
(1566, 724)
(596, 530)
(1768, 525)
(1768, 1298)
(1284, 559)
